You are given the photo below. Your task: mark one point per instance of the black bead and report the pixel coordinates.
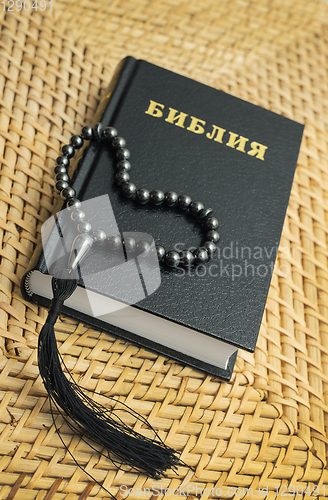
(205, 213)
(87, 133)
(67, 193)
(196, 207)
(124, 164)
(142, 196)
(210, 247)
(210, 223)
(73, 204)
(172, 258)
(98, 131)
(184, 201)
(121, 177)
(60, 169)
(62, 177)
(114, 242)
(118, 142)
(84, 227)
(109, 133)
(128, 189)
(77, 215)
(63, 161)
(157, 197)
(129, 244)
(200, 255)
(98, 236)
(143, 247)
(186, 258)
(160, 252)
(123, 154)
(171, 198)
(68, 151)
(213, 236)
(60, 185)
(77, 142)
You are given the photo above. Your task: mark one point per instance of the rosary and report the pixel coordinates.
(88, 235)
(84, 415)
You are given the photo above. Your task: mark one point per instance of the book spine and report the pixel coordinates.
(83, 161)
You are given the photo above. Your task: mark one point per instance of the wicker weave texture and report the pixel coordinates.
(267, 428)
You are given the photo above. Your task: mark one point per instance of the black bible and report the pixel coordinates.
(236, 158)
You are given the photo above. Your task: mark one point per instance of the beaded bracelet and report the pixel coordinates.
(157, 197)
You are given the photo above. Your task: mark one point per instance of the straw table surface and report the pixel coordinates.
(264, 434)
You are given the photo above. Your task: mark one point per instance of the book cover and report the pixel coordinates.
(235, 157)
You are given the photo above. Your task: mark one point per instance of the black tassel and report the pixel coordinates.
(88, 417)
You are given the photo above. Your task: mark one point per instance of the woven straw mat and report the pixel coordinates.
(265, 429)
